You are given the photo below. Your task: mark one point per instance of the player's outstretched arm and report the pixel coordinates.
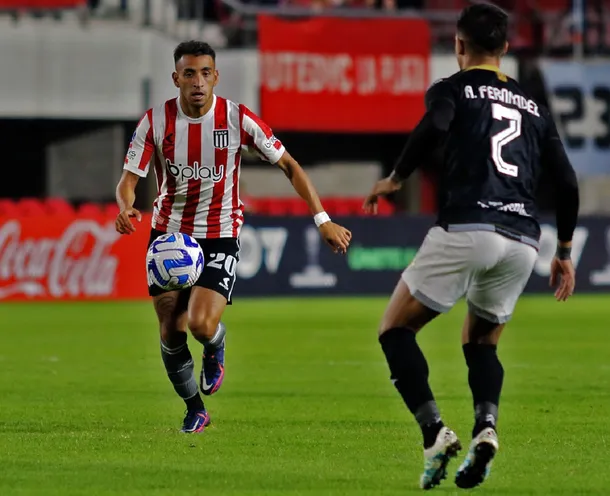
(337, 237)
(125, 197)
(423, 139)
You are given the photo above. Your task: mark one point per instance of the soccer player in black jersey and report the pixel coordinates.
(496, 142)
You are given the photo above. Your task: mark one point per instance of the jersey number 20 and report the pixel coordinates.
(498, 140)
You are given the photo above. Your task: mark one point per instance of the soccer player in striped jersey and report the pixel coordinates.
(194, 143)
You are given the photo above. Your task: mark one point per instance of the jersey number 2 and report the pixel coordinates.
(498, 140)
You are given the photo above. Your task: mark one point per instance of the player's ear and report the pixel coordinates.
(216, 76)
(460, 47)
(175, 79)
(505, 51)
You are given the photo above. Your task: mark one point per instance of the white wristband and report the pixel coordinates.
(321, 218)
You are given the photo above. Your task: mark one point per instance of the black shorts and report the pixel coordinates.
(220, 257)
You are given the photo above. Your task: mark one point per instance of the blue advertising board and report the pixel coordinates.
(286, 256)
(579, 97)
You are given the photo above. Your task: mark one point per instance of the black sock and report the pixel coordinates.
(195, 403)
(485, 377)
(409, 373)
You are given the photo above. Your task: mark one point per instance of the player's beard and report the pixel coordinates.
(196, 104)
(199, 102)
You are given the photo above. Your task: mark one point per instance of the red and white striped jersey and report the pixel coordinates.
(197, 164)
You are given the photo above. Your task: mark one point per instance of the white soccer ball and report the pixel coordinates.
(174, 261)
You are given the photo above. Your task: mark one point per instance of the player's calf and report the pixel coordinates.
(485, 377)
(180, 367)
(171, 311)
(409, 374)
(205, 310)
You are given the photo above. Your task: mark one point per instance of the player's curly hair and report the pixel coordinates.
(193, 47)
(484, 28)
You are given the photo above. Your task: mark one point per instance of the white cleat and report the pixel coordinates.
(477, 465)
(436, 458)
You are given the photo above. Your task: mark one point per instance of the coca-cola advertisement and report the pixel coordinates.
(71, 257)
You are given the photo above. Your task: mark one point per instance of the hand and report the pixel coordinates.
(123, 224)
(336, 236)
(562, 272)
(383, 187)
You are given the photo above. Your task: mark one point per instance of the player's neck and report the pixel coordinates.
(478, 61)
(196, 112)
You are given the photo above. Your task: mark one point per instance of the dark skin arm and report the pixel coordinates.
(336, 236)
(125, 197)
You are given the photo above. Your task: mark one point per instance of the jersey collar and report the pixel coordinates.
(203, 118)
(487, 67)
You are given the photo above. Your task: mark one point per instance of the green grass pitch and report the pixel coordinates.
(306, 408)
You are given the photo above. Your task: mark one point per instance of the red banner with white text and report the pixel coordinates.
(71, 257)
(343, 75)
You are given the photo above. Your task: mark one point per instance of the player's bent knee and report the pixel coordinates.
(414, 317)
(405, 310)
(203, 326)
(479, 330)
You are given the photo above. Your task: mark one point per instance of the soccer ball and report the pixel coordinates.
(174, 261)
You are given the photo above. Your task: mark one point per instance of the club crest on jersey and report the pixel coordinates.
(221, 138)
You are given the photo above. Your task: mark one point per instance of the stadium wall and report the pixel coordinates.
(109, 72)
(76, 257)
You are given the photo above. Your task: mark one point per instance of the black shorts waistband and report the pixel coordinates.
(203, 242)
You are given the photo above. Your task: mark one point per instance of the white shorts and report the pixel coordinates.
(490, 269)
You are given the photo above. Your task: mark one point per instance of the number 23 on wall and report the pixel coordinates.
(588, 113)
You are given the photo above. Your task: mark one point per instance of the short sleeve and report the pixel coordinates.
(142, 147)
(441, 91)
(255, 133)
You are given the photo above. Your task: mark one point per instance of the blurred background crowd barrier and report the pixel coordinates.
(342, 84)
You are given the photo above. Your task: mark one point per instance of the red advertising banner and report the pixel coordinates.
(345, 75)
(70, 257)
(40, 4)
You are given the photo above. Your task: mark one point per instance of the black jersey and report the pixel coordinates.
(491, 153)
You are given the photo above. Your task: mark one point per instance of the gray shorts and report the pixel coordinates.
(490, 269)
